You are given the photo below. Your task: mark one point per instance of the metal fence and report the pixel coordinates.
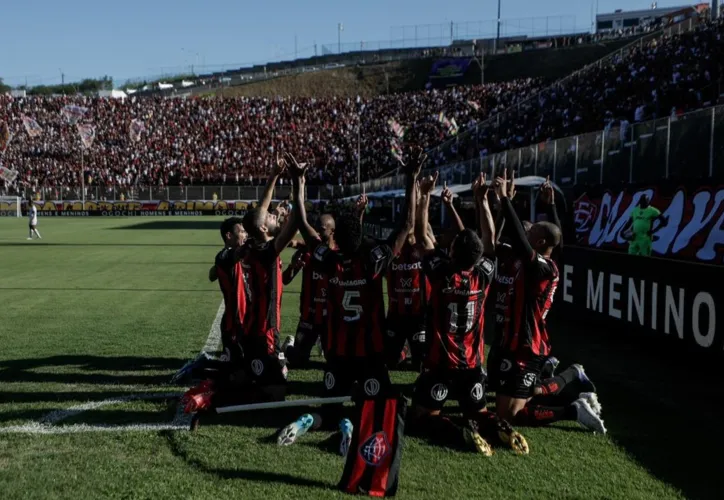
(689, 146)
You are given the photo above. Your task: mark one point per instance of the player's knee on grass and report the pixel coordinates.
(508, 407)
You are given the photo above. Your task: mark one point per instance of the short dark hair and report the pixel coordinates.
(348, 231)
(228, 226)
(467, 249)
(253, 221)
(551, 233)
(526, 225)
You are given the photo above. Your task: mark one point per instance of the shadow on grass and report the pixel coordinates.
(661, 404)
(163, 225)
(244, 474)
(24, 370)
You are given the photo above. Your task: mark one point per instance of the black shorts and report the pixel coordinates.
(304, 340)
(401, 329)
(231, 349)
(518, 374)
(263, 367)
(434, 387)
(341, 374)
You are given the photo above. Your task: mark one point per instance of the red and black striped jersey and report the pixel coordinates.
(407, 288)
(355, 300)
(234, 287)
(265, 284)
(455, 313)
(313, 299)
(524, 292)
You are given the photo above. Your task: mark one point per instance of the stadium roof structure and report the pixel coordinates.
(654, 13)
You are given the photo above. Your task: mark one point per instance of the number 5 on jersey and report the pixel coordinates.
(354, 310)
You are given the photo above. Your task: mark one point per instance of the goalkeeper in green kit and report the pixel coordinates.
(643, 218)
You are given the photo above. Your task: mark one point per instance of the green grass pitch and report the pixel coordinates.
(105, 308)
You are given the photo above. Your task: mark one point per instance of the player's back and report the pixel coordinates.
(355, 301)
(233, 285)
(455, 314)
(407, 288)
(263, 321)
(524, 293)
(313, 296)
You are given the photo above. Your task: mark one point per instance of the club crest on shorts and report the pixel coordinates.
(329, 380)
(257, 367)
(529, 379)
(476, 393)
(372, 386)
(375, 449)
(438, 392)
(505, 365)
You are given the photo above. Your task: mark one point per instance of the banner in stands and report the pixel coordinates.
(449, 71)
(145, 208)
(694, 229)
(664, 298)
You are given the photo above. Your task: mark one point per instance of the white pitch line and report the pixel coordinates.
(181, 420)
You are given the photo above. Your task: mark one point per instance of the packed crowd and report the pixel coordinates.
(665, 76)
(235, 141)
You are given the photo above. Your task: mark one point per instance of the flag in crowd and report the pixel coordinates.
(87, 134)
(31, 126)
(135, 129)
(73, 113)
(397, 129)
(474, 105)
(396, 149)
(7, 175)
(450, 125)
(5, 137)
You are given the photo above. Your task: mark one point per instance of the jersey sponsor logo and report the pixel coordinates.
(439, 392)
(505, 280)
(317, 276)
(456, 291)
(435, 263)
(375, 449)
(347, 283)
(257, 367)
(372, 386)
(417, 266)
(406, 283)
(476, 393)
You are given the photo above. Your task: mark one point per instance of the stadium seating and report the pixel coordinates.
(234, 141)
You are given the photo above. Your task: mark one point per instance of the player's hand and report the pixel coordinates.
(297, 262)
(447, 195)
(296, 169)
(480, 189)
(212, 274)
(546, 192)
(511, 185)
(362, 202)
(427, 184)
(414, 165)
(279, 167)
(501, 185)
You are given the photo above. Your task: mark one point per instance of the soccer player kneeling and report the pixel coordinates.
(527, 282)
(453, 366)
(354, 349)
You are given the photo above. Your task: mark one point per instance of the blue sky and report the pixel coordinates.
(137, 38)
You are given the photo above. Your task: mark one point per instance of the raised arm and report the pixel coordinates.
(422, 235)
(361, 205)
(412, 169)
(520, 241)
(296, 265)
(311, 237)
(447, 199)
(547, 195)
(486, 225)
(266, 198)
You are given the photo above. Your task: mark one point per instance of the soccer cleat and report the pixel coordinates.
(549, 368)
(289, 434)
(586, 384)
(587, 416)
(29, 239)
(476, 440)
(189, 367)
(288, 342)
(320, 349)
(198, 398)
(512, 438)
(345, 428)
(592, 399)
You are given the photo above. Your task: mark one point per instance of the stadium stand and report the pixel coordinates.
(234, 141)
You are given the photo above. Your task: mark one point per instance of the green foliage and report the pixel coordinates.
(87, 86)
(3, 88)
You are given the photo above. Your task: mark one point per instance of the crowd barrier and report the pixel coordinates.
(665, 299)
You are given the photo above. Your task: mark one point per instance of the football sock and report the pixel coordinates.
(442, 431)
(537, 415)
(556, 384)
